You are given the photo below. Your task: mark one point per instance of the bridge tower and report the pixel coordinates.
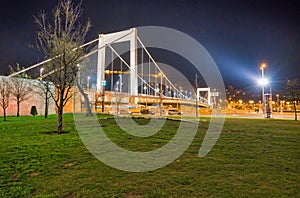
(117, 37)
(199, 90)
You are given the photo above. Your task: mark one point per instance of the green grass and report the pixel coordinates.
(252, 158)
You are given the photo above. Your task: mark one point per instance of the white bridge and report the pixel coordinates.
(132, 72)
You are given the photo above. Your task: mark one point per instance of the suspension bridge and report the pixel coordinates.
(127, 75)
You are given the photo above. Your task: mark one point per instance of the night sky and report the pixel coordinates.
(239, 35)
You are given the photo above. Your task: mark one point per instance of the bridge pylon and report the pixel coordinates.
(117, 37)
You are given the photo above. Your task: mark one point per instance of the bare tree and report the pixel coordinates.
(292, 87)
(60, 39)
(44, 89)
(20, 87)
(4, 95)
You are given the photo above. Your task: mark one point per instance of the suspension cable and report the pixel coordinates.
(50, 59)
(118, 55)
(150, 57)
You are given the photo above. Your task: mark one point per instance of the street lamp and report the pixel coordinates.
(88, 82)
(263, 82)
(78, 67)
(277, 96)
(117, 87)
(281, 107)
(41, 72)
(157, 87)
(161, 94)
(167, 90)
(103, 83)
(121, 82)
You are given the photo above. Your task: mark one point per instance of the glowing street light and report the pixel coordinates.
(41, 72)
(78, 67)
(117, 87)
(88, 82)
(121, 82)
(161, 94)
(145, 89)
(277, 102)
(263, 82)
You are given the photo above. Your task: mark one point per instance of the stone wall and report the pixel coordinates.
(34, 99)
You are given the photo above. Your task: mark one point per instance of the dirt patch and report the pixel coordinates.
(70, 195)
(56, 133)
(15, 176)
(131, 194)
(34, 174)
(69, 164)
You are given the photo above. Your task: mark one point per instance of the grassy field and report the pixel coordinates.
(252, 158)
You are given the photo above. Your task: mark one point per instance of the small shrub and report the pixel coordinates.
(33, 111)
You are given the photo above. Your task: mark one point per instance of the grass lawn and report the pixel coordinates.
(252, 158)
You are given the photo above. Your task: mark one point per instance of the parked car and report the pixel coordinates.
(147, 111)
(175, 112)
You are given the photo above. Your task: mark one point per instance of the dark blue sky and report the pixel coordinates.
(238, 34)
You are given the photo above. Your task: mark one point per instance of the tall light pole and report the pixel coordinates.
(41, 73)
(277, 96)
(103, 93)
(121, 82)
(281, 107)
(196, 87)
(262, 67)
(161, 95)
(88, 82)
(166, 90)
(78, 67)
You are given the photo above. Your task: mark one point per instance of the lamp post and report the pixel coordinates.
(78, 80)
(103, 94)
(277, 96)
(281, 107)
(118, 96)
(117, 86)
(121, 82)
(41, 73)
(262, 67)
(196, 94)
(167, 90)
(88, 82)
(160, 95)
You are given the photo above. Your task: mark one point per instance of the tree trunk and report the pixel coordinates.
(18, 108)
(295, 111)
(87, 105)
(86, 101)
(46, 107)
(4, 114)
(60, 121)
